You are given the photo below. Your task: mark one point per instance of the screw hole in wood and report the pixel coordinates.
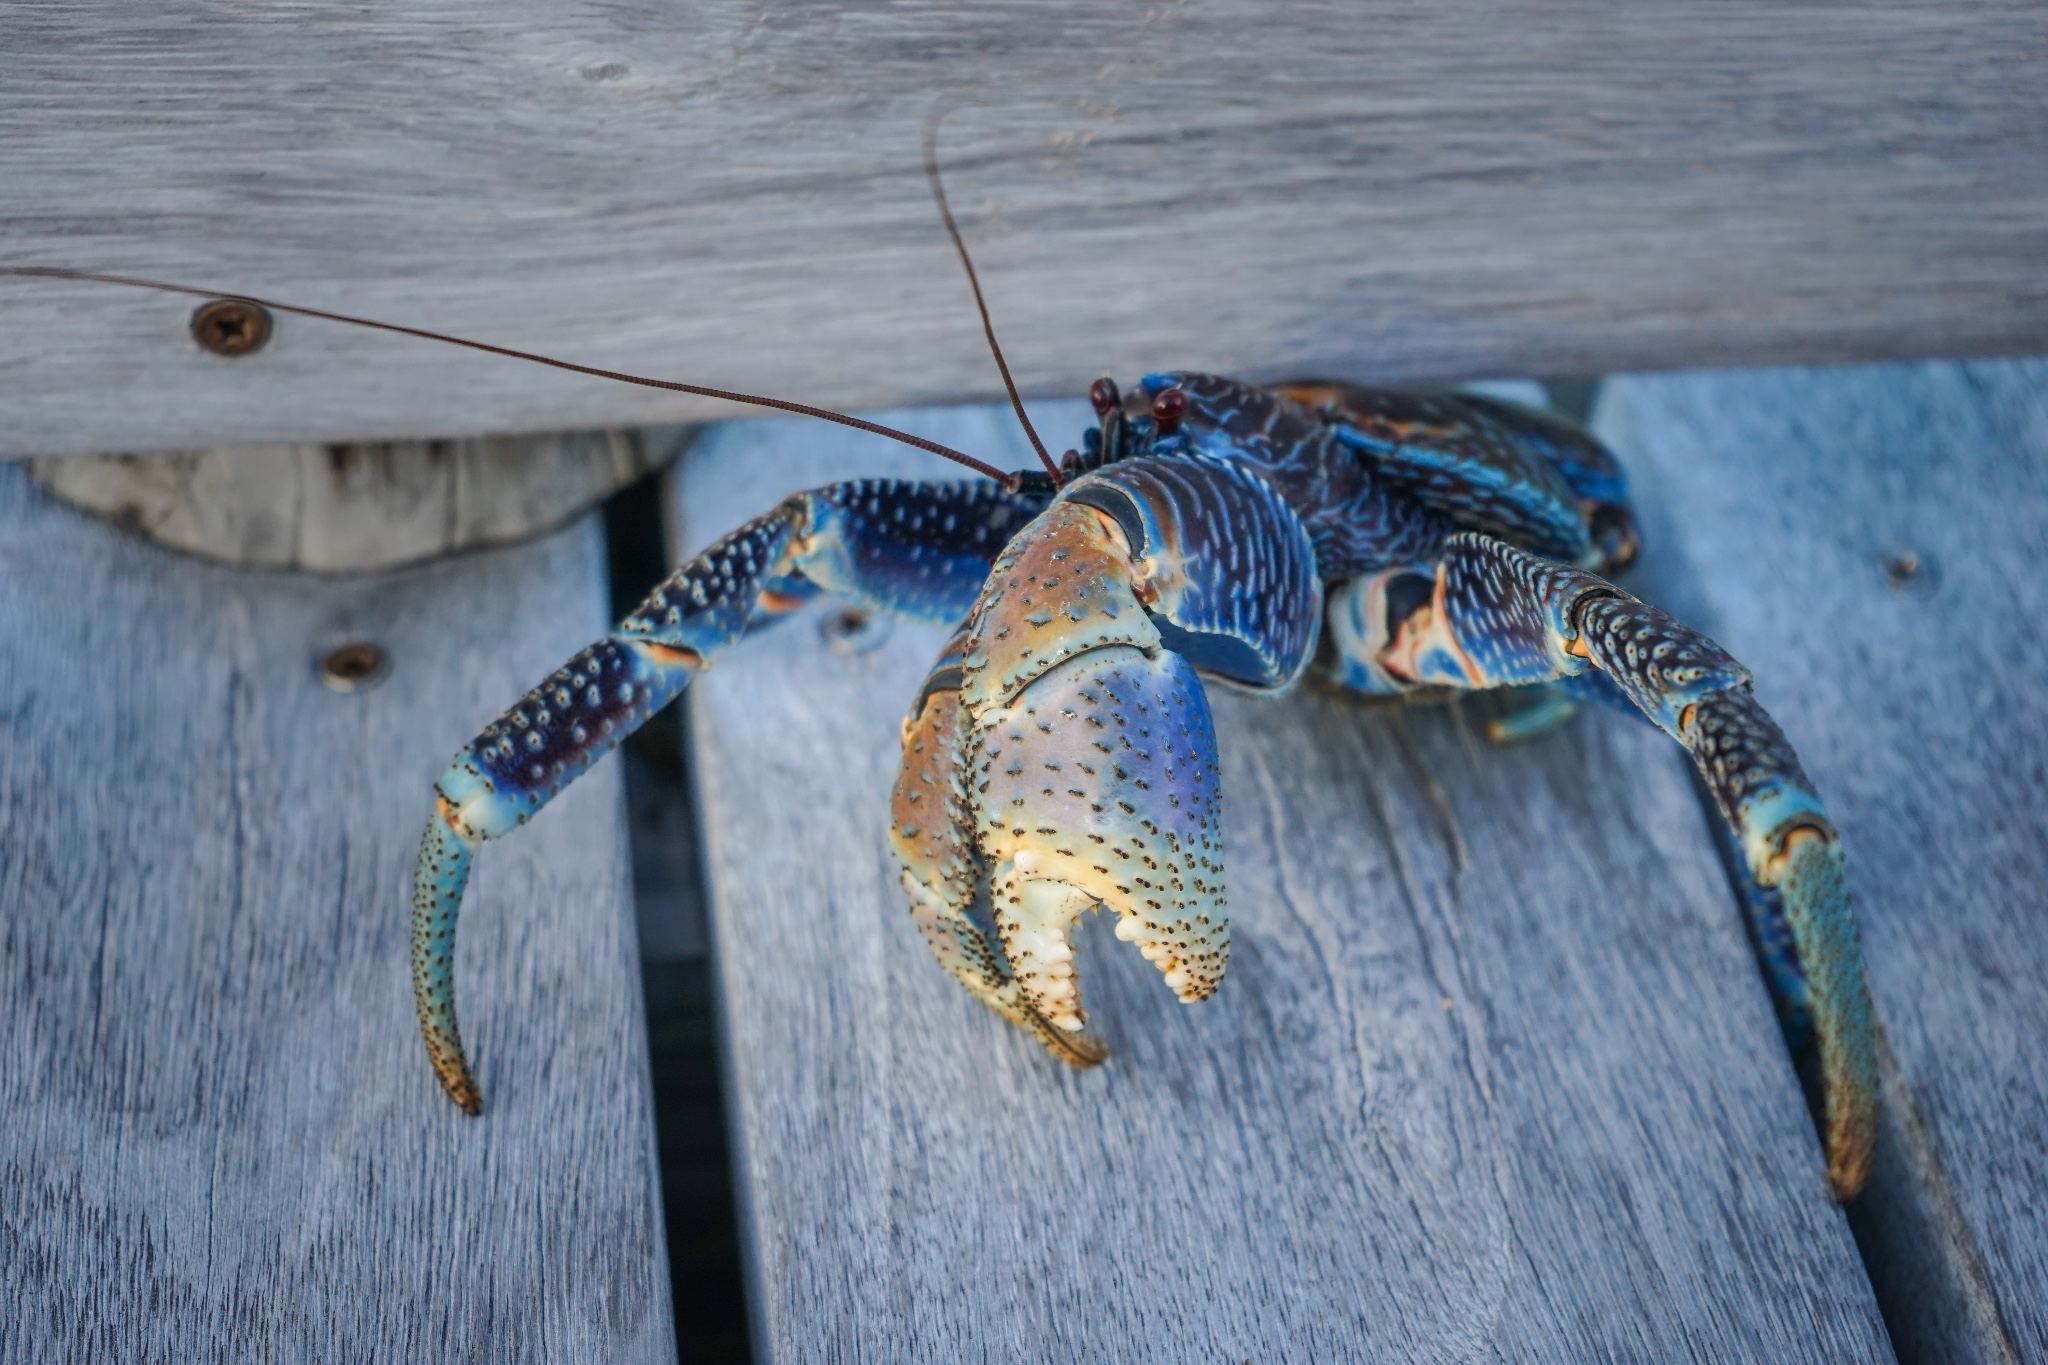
(354, 666)
(1904, 569)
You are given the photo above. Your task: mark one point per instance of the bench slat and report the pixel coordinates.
(709, 191)
(223, 1141)
(1492, 1076)
(1919, 706)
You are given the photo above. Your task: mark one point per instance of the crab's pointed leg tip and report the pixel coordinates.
(1846, 1174)
(438, 882)
(1816, 900)
(1852, 1122)
(451, 1068)
(460, 1086)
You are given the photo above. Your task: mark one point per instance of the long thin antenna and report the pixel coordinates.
(50, 272)
(931, 173)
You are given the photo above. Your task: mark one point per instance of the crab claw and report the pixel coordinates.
(1062, 759)
(932, 835)
(1078, 766)
(1097, 785)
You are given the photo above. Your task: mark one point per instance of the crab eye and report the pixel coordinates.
(1167, 410)
(1103, 396)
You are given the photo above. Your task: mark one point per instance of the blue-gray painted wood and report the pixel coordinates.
(1493, 1076)
(223, 1141)
(1919, 704)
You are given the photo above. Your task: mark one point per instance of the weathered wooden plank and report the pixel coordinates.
(222, 1141)
(730, 193)
(1492, 1077)
(1918, 705)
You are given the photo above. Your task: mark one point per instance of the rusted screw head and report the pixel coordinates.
(231, 327)
(1900, 569)
(353, 666)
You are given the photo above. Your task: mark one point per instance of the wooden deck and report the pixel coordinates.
(1493, 1076)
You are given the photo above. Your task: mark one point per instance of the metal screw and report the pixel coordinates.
(354, 666)
(854, 630)
(231, 327)
(1900, 569)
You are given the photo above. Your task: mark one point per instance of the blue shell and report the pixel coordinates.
(1380, 476)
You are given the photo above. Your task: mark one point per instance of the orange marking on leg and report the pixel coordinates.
(676, 656)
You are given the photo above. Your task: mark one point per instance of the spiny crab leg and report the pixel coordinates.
(916, 549)
(1503, 617)
(520, 762)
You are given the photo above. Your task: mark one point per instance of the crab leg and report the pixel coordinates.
(915, 549)
(1501, 616)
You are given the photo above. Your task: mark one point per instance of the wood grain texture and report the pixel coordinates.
(222, 1140)
(728, 192)
(1492, 1077)
(351, 508)
(1920, 710)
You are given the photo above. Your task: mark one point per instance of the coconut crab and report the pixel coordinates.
(1060, 754)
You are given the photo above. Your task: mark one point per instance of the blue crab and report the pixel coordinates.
(1209, 533)
(1060, 754)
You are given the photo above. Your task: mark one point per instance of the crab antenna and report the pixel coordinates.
(931, 172)
(51, 272)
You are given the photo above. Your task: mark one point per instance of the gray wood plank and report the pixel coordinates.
(730, 193)
(222, 1140)
(1919, 707)
(1492, 1077)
